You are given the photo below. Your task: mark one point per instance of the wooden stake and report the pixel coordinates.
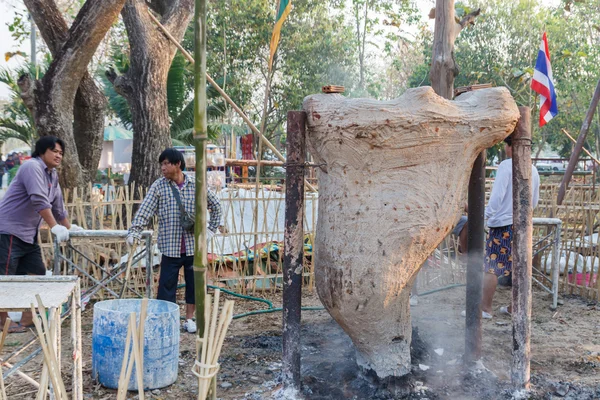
(521, 252)
(137, 358)
(143, 313)
(125, 371)
(48, 350)
(293, 255)
(4, 333)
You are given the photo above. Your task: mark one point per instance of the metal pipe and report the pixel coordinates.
(149, 266)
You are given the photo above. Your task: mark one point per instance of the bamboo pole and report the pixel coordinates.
(585, 127)
(125, 374)
(209, 346)
(261, 134)
(46, 340)
(583, 148)
(521, 252)
(4, 333)
(200, 139)
(128, 268)
(225, 96)
(142, 326)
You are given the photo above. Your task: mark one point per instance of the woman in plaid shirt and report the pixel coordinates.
(175, 244)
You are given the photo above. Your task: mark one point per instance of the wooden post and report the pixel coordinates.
(293, 247)
(585, 127)
(521, 251)
(475, 244)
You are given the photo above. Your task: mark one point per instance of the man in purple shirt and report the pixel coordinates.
(34, 195)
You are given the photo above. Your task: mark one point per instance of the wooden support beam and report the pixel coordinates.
(521, 251)
(293, 247)
(475, 244)
(585, 127)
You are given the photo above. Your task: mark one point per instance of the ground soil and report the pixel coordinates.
(565, 356)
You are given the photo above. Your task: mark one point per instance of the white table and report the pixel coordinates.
(17, 293)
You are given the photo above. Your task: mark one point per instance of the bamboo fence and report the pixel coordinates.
(247, 272)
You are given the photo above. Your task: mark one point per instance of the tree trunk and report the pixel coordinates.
(66, 102)
(145, 83)
(389, 194)
(150, 117)
(88, 126)
(443, 68)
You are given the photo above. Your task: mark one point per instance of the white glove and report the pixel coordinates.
(75, 228)
(130, 239)
(61, 233)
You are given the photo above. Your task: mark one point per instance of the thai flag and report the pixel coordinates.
(543, 85)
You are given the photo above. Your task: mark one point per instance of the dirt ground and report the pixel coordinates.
(565, 356)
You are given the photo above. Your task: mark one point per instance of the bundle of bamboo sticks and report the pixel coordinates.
(4, 333)
(135, 339)
(48, 340)
(209, 346)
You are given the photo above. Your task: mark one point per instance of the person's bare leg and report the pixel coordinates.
(190, 309)
(489, 288)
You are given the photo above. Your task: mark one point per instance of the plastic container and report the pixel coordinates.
(161, 342)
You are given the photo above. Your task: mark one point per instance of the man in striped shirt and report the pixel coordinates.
(175, 243)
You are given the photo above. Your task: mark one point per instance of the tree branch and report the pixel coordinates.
(91, 24)
(120, 82)
(26, 85)
(469, 19)
(50, 22)
(158, 6)
(176, 17)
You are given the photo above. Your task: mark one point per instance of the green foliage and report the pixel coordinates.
(501, 48)
(118, 104)
(179, 97)
(17, 121)
(20, 27)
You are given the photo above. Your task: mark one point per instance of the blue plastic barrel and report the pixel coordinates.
(161, 342)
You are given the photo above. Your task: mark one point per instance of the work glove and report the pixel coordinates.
(75, 228)
(61, 233)
(209, 235)
(129, 240)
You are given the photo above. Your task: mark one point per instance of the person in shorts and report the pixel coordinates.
(498, 213)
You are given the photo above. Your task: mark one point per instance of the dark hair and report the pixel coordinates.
(508, 140)
(46, 142)
(174, 156)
